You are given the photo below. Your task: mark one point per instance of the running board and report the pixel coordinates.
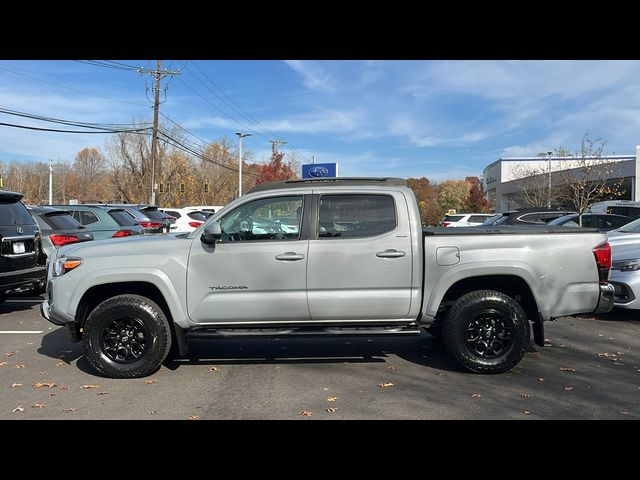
(211, 333)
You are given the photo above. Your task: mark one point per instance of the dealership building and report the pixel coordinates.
(502, 188)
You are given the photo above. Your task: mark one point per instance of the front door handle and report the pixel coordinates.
(289, 256)
(390, 254)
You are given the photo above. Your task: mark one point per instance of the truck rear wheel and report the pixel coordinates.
(126, 336)
(486, 332)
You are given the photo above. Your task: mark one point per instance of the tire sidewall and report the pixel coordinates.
(468, 307)
(157, 332)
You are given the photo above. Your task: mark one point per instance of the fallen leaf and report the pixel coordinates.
(527, 412)
(600, 335)
(150, 382)
(525, 395)
(618, 363)
(38, 405)
(86, 387)
(568, 388)
(194, 417)
(624, 413)
(331, 410)
(326, 388)
(385, 385)
(567, 369)
(20, 365)
(152, 412)
(61, 364)
(44, 384)
(19, 408)
(214, 369)
(103, 393)
(331, 399)
(51, 395)
(441, 374)
(541, 379)
(18, 385)
(42, 372)
(305, 413)
(70, 410)
(391, 367)
(64, 387)
(2, 364)
(29, 343)
(476, 395)
(9, 354)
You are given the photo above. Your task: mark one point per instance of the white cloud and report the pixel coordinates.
(313, 75)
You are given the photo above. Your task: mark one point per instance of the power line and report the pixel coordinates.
(27, 127)
(241, 111)
(219, 109)
(97, 63)
(69, 88)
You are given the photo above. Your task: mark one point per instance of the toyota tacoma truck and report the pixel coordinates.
(325, 257)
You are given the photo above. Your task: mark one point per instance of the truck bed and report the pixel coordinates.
(505, 230)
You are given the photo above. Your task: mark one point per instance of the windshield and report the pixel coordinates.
(493, 220)
(633, 227)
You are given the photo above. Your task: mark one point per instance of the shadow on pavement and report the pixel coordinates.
(424, 350)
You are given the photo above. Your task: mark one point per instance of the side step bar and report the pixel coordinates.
(211, 333)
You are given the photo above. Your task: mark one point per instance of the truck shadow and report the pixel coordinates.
(424, 350)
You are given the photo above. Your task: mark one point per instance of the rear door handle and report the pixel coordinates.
(289, 256)
(390, 254)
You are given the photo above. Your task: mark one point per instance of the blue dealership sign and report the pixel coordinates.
(319, 170)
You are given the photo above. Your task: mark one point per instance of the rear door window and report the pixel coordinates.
(85, 217)
(153, 214)
(452, 218)
(478, 218)
(14, 213)
(123, 218)
(354, 216)
(60, 221)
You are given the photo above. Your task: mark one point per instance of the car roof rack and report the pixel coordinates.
(324, 182)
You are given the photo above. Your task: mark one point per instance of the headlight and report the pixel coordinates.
(627, 265)
(63, 265)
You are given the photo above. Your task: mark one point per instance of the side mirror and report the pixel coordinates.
(211, 233)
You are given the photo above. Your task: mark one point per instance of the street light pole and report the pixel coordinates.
(240, 137)
(549, 181)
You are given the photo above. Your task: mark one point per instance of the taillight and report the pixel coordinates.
(59, 240)
(150, 224)
(446, 224)
(122, 233)
(603, 260)
(195, 224)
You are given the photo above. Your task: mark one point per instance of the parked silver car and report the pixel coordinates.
(629, 233)
(625, 274)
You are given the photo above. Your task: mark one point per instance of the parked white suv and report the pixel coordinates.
(186, 220)
(465, 219)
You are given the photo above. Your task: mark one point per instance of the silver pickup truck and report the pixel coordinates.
(325, 257)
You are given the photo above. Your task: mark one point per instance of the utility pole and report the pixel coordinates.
(240, 137)
(50, 182)
(157, 75)
(313, 159)
(274, 145)
(549, 182)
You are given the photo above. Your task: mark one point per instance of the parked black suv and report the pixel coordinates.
(22, 262)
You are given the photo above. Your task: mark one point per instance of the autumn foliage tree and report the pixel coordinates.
(427, 197)
(476, 203)
(275, 170)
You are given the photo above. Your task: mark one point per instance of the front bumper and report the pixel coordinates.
(605, 302)
(74, 329)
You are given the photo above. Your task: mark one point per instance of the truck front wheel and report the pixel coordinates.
(486, 331)
(126, 336)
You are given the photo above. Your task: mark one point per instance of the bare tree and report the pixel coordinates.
(589, 176)
(533, 182)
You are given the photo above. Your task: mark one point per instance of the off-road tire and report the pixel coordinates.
(146, 316)
(481, 307)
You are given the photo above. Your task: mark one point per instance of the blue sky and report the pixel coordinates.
(440, 119)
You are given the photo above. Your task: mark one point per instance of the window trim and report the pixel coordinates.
(316, 232)
(303, 233)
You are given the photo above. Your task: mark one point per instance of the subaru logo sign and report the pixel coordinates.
(320, 170)
(317, 172)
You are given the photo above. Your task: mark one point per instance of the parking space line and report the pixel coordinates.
(21, 331)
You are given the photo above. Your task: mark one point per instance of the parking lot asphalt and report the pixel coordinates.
(590, 369)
